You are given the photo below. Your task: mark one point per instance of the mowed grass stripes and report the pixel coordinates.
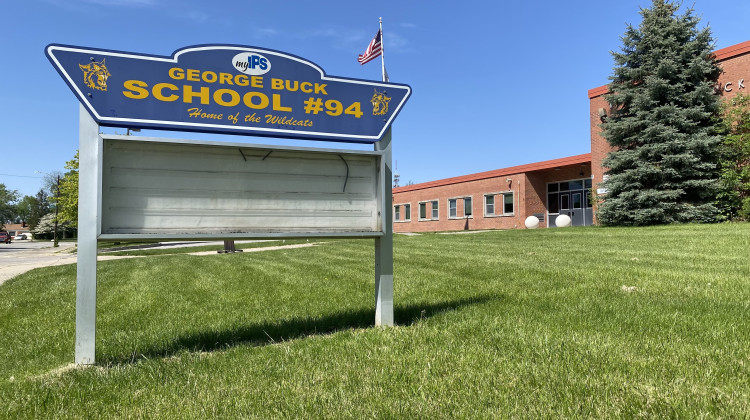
(553, 323)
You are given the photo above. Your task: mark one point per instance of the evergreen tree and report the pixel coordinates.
(664, 122)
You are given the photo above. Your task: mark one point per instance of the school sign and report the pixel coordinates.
(146, 188)
(227, 89)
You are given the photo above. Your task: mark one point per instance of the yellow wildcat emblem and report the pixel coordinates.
(95, 75)
(379, 103)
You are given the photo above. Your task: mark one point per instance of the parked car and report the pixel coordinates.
(5, 237)
(22, 236)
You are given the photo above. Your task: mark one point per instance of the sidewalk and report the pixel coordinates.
(19, 262)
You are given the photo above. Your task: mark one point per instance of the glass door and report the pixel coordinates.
(565, 203)
(576, 215)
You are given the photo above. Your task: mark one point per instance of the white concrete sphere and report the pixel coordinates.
(532, 222)
(562, 220)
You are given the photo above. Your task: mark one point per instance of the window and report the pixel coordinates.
(453, 206)
(489, 205)
(575, 185)
(505, 199)
(433, 212)
(508, 204)
(577, 200)
(402, 213)
(553, 204)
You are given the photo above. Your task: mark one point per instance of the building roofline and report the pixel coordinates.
(720, 55)
(598, 91)
(732, 51)
(513, 170)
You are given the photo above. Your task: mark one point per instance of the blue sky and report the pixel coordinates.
(495, 83)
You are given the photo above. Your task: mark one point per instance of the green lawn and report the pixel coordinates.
(551, 323)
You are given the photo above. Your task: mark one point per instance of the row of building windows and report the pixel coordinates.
(495, 205)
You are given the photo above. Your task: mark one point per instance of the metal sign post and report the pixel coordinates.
(89, 211)
(384, 244)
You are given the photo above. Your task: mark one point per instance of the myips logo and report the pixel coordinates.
(253, 64)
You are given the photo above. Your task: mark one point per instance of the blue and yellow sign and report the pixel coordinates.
(228, 89)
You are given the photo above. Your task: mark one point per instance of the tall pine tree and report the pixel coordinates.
(664, 122)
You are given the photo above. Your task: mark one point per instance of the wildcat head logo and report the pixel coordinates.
(379, 103)
(95, 75)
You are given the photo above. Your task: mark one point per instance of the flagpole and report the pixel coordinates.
(382, 49)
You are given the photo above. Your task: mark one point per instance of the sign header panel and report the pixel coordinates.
(228, 89)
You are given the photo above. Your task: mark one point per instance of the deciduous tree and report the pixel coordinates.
(8, 200)
(734, 190)
(68, 196)
(24, 208)
(41, 206)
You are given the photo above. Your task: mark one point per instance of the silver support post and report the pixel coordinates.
(88, 225)
(384, 244)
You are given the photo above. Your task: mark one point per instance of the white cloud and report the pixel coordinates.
(357, 39)
(197, 16)
(265, 32)
(395, 42)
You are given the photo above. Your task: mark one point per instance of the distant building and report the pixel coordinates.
(15, 229)
(499, 199)
(504, 198)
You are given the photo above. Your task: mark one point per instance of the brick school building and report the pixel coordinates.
(504, 198)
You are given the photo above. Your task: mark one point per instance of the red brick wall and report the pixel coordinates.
(735, 69)
(599, 145)
(476, 189)
(529, 195)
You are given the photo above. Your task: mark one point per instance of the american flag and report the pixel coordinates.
(373, 50)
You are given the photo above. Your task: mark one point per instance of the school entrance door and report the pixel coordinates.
(571, 198)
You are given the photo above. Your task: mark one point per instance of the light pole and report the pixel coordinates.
(57, 206)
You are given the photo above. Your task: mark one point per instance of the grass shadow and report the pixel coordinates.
(289, 329)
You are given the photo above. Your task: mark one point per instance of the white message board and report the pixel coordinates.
(158, 188)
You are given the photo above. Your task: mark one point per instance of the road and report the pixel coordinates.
(21, 256)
